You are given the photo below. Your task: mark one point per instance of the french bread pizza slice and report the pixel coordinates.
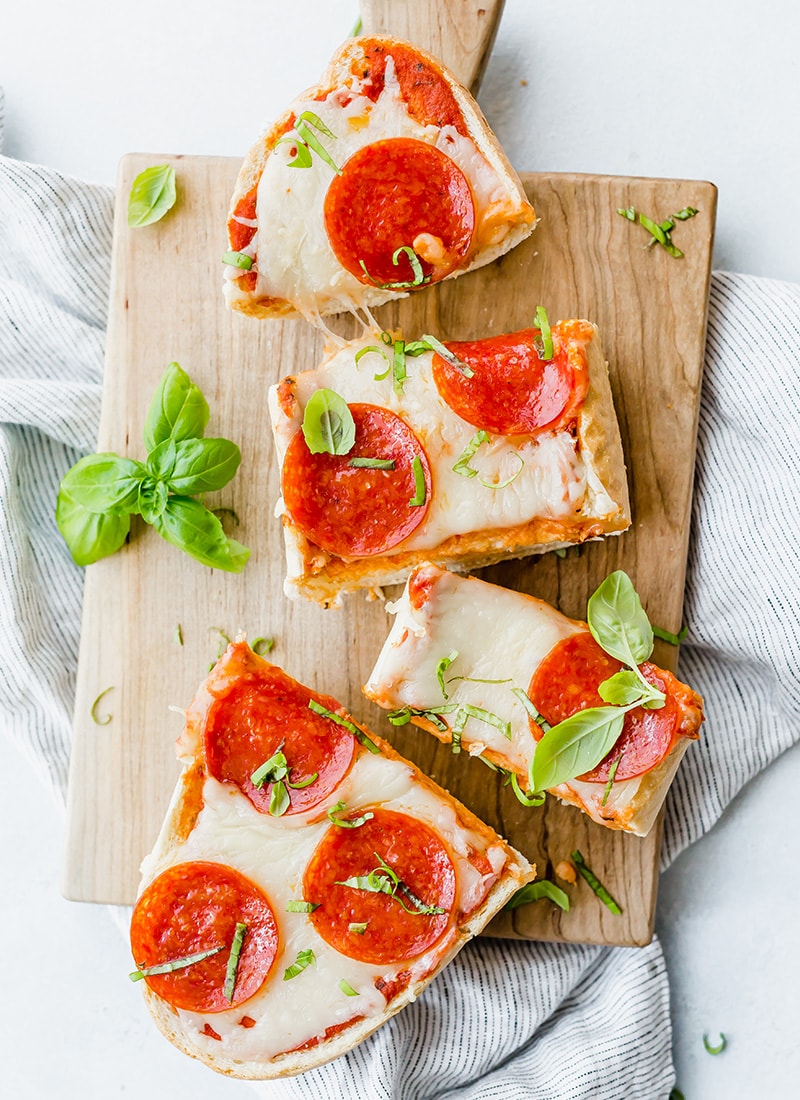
(308, 882)
(393, 453)
(382, 179)
(574, 709)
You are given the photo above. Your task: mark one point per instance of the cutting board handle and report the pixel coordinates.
(459, 32)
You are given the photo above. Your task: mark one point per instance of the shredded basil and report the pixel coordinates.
(260, 646)
(420, 489)
(347, 989)
(441, 667)
(718, 1049)
(595, 883)
(419, 277)
(660, 232)
(383, 879)
(335, 818)
(279, 799)
(543, 325)
(445, 353)
(667, 636)
(302, 906)
(372, 463)
(303, 960)
(173, 964)
(238, 259)
(536, 891)
(399, 373)
(612, 771)
(348, 725)
(307, 141)
(358, 928)
(98, 721)
(532, 798)
(233, 961)
(527, 703)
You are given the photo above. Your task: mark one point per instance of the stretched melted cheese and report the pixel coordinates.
(274, 853)
(499, 635)
(294, 259)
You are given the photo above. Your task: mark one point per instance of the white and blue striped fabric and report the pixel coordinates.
(507, 1019)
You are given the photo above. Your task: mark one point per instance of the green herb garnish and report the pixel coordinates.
(445, 353)
(441, 667)
(612, 772)
(335, 818)
(302, 906)
(238, 259)
(419, 276)
(384, 880)
(543, 325)
(404, 715)
(153, 193)
(660, 232)
(173, 964)
(328, 425)
(98, 721)
(595, 883)
(718, 1049)
(348, 725)
(306, 141)
(372, 463)
(233, 961)
(536, 891)
(532, 798)
(260, 646)
(347, 989)
(420, 489)
(303, 960)
(358, 928)
(667, 636)
(98, 495)
(462, 466)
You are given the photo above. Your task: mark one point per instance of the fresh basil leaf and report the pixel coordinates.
(279, 799)
(153, 496)
(190, 526)
(104, 483)
(161, 460)
(271, 770)
(328, 424)
(153, 193)
(535, 798)
(618, 622)
(203, 465)
(178, 409)
(89, 535)
(536, 891)
(575, 746)
(622, 689)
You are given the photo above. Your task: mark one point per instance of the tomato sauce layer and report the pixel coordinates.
(567, 681)
(395, 929)
(512, 390)
(266, 712)
(426, 94)
(357, 511)
(195, 907)
(399, 193)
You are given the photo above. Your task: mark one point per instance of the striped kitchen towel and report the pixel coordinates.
(506, 1019)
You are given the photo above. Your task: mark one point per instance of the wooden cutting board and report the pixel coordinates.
(583, 260)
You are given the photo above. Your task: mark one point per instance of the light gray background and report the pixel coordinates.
(708, 89)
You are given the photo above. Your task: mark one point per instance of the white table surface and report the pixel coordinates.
(708, 90)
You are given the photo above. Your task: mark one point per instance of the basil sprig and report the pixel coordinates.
(153, 193)
(536, 891)
(100, 493)
(620, 626)
(328, 424)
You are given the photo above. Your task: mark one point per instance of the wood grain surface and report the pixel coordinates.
(459, 32)
(583, 260)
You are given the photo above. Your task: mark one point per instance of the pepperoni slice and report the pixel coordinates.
(512, 391)
(195, 907)
(356, 511)
(267, 711)
(394, 194)
(419, 859)
(567, 680)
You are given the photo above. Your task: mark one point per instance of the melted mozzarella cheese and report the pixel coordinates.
(550, 473)
(295, 260)
(499, 635)
(274, 853)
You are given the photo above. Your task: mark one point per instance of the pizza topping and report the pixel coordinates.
(348, 725)
(328, 426)
(304, 141)
(263, 724)
(347, 989)
(304, 959)
(358, 512)
(543, 325)
(238, 259)
(513, 389)
(393, 198)
(566, 683)
(195, 909)
(335, 818)
(392, 874)
(233, 961)
(301, 906)
(463, 468)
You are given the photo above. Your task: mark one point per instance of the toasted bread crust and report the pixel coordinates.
(519, 214)
(181, 816)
